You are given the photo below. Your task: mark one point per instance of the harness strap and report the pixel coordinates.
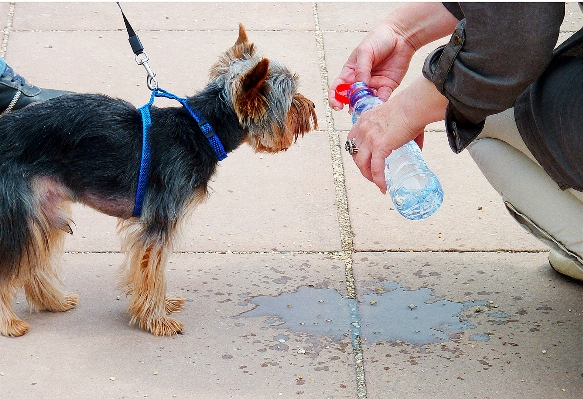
(145, 161)
(205, 127)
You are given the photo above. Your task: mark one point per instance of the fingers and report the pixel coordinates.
(362, 160)
(370, 164)
(332, 100)
(419, 140)
(384, 92)
(363, 70)
(377, 170)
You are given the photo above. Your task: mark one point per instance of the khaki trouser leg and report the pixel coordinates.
(554, 216)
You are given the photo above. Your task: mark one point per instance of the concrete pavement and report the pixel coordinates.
(301, 280)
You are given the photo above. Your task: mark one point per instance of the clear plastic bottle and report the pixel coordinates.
(414, 189)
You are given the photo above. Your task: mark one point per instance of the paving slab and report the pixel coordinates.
(463, 223)
(103, 62)
(164, 16)
(256, 203)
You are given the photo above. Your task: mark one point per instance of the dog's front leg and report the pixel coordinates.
(146, 283)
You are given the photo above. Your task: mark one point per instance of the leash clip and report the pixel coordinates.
(141, 56)
(142, 59)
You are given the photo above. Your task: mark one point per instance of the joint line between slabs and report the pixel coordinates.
(7, 30)
(346, 233)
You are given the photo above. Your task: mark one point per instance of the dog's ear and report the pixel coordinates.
(242, 35)
(249, 96)
(242, 49)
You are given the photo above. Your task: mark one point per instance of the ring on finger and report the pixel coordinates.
(351, 147)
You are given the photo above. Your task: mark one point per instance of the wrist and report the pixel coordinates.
(420, 104)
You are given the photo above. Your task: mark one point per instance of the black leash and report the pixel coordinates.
(140, 55)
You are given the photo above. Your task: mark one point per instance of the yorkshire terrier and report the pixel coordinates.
(87, 148)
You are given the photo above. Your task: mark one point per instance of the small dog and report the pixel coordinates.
(87, 148)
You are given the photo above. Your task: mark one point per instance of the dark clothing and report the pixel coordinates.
(549, 115)
(500, 57)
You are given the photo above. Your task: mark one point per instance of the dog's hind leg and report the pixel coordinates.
(41, 288)
(50, 224)
(16, 210)
(145, 281)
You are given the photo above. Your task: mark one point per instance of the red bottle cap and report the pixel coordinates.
(341, 93)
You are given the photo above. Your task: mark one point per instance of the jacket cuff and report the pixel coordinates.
(437, 66)
(460, 132)
(439, 63)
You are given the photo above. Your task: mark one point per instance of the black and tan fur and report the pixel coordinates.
(86, 148)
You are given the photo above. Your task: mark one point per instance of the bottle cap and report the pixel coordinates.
(350, 93)
(341, 93)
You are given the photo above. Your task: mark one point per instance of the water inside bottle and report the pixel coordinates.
(419, 196)
(418, 193)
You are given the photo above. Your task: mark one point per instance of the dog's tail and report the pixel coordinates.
(17, 221)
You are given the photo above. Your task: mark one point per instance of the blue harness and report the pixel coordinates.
(206, 128)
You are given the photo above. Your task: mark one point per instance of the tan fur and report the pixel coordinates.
(143, 279)
(297, 121)
(37, 273)
(241, 49)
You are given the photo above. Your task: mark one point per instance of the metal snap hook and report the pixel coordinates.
(142, 59)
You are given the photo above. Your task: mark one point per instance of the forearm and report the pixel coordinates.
(422, 23)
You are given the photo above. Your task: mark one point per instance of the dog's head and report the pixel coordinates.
(264, 96)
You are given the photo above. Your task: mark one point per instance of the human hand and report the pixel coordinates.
(377, 133)
(380, 60)
(383, 57)
(388, 126)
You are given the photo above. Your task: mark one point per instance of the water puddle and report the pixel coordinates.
(309, 310)
(414, 316)
(479, 337)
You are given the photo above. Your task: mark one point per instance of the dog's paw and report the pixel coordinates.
(165, 326)
(14, 327)
(71, 301)
(174, 304)
(68, 302)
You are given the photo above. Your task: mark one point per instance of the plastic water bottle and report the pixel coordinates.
(414, 189)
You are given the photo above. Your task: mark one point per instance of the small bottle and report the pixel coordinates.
(414, 189)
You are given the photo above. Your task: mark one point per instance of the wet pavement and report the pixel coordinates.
(300, 278)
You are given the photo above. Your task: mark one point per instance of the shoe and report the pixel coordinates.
(567, 266)
(15, 93)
